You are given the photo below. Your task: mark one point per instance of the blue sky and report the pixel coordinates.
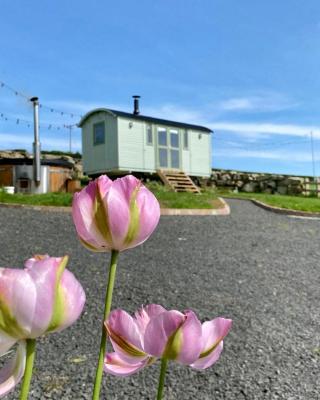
(247, 69)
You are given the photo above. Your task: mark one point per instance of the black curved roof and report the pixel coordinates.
(143, 118)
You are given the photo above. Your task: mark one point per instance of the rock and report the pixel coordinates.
(239, 184)
(271, 184)
(225, 177)
(250, 187)
(282, 190)
(14, 154)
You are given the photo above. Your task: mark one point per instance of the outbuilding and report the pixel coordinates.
(117, 142)
(18, 173)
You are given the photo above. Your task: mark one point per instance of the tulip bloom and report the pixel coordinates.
(114, 215)
(42, 298)
(157, 333)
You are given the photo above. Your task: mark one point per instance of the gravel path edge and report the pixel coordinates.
(225, 210)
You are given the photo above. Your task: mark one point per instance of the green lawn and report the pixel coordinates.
(301, 203)
(167, 199)
(48, 199)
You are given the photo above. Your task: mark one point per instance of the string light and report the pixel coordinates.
(28, 123)
(41, 105)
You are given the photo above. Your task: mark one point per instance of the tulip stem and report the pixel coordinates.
(164, 363)
(107, 307)
(31, 346)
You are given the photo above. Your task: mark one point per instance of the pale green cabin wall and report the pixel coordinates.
(102, 157)
(134, 153)
(200, 153)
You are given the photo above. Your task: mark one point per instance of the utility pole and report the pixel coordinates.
(36, 143)
(70, 127)
(313, 164)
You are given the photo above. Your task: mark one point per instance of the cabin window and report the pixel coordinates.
(162, 137)
(174, 138)
(163, 158)
(149, 135)
(185, 140)
(98, 133)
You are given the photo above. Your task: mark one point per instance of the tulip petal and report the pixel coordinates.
(115, 365)
(60, 297)
(144, 314)
(86, 211)
(42, 271)
(72, 298)
(210, 359)
(121, 204)
(12, 372)
(189, 335)
(6, 342)
(213, 333)
(125, 336)
(149, 211)
(69, 298)
(160, 329)
(17, 302)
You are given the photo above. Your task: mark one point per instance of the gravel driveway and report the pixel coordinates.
(258, 268)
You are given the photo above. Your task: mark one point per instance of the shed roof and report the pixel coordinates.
(143, 118)
(29, 161)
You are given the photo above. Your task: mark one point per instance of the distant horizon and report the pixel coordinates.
(213, 168)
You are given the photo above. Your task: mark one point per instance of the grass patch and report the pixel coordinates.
(168, 199)
(47, 199)
(300, 203)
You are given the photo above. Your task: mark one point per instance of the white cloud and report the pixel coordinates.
(279, 155)
(265, 102)
(245, 128)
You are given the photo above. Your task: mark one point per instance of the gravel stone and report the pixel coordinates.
(256, 267)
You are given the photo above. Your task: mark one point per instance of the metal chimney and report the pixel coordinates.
(36, 143)
(136, 110)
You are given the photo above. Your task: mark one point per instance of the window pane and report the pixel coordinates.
(185, 140)
(149, 135)
(98, 133)
(162, 137)
(175, 158)
(163, 157)
(174, 139)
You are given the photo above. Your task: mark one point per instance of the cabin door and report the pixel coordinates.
(168, 141)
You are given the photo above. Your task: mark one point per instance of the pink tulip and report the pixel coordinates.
(157, 333)
(44, 297)
(114, 215)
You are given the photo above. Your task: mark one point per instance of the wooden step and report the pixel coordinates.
(178, 181)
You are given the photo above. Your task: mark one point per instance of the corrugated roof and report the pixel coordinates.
(140, 117)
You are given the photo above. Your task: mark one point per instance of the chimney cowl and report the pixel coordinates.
(136, 110)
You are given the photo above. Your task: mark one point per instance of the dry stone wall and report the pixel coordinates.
(258, 182)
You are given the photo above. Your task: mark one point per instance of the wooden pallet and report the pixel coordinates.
(177, 181)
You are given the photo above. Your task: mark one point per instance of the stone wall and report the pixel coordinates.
(258, 182)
